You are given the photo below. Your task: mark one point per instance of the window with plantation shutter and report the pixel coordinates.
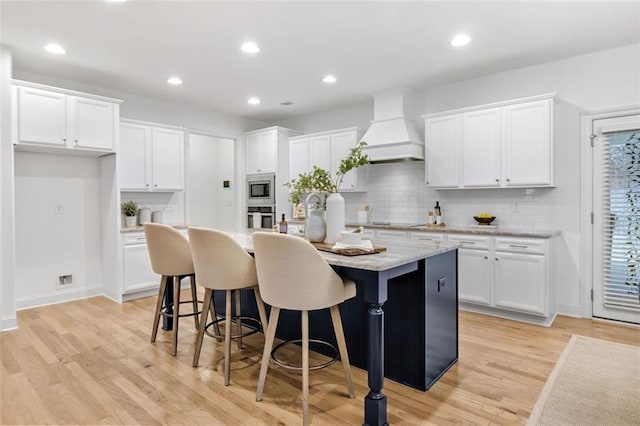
(617, 208)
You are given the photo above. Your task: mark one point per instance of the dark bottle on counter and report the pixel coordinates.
(283, 226)
(437, 210)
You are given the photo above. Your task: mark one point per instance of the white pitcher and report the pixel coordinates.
(314, 227)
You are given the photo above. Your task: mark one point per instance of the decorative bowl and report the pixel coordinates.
(349, 237)
(484, 220)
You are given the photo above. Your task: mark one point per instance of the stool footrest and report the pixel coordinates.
(164, 313)
(283, 364)
(233, 336)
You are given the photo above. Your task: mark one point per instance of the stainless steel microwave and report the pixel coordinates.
(261, 190)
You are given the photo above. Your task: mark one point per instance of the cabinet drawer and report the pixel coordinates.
(426, 236)
(521, 245)
(471, 241)
(134, 238)
(391, 235)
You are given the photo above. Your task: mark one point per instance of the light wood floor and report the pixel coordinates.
(90, 362)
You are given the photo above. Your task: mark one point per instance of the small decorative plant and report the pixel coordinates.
(129, 208)
(320, 180)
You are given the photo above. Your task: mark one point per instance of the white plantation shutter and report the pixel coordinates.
(621, 220)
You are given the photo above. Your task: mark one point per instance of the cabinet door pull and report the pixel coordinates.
(518, 245)
(147, 185)
(497, 258)
(64, 140)
(497, 180)
(486, 257)
(467, 242)
(425, 238)
(508, 180)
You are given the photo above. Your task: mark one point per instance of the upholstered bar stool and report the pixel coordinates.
(170, 256)
(293, 275)
(221, 264)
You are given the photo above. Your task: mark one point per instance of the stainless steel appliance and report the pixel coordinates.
(266, 215)
(261, 190)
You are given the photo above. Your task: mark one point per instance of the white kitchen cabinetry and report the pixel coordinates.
(426, 236)
(151, 157)
(507, 144)
(63, 119)
(474, 268)
(262, 151)
(521, 276)
(443, 134)
(391, 235)
(325, 150)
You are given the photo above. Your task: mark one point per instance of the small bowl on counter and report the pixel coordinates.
(350, 237)
(484, 220)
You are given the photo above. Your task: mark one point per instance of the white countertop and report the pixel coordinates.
(474, 229)
(398, 253)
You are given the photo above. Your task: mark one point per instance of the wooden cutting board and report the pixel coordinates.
(349, 251)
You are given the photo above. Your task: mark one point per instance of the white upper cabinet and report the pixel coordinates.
(528, 143)
(51, 117)
(442, 159)
(150, 158)
(90, 123)
(262, 151)
(481, 148)
(508, 144)
(324, 150)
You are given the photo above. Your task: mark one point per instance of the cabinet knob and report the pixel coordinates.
(497, 258)
(156, 185)
(497, 180)
(76, 141)
(508, 180)
(486, 257)
(147, 185)
(64, 140)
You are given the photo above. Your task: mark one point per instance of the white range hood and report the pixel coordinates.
(391, 136)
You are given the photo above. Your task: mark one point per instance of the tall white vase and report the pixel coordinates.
(335, 217)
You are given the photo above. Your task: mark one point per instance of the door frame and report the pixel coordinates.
(586, 204)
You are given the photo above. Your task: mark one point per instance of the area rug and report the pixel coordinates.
(594, 382)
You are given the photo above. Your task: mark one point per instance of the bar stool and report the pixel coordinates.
(222, 264)
(170, 256)
(293, 275)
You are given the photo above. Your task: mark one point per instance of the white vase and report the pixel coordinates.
(130, 221)
(335, 217)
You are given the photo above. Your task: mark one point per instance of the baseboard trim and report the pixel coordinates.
(8, 323)
(51, 299)
(570, 310)
(510, 315)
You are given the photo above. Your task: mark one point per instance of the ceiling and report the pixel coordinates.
(369, 46)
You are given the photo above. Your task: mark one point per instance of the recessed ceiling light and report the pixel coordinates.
(330, 79)
(460, 40)
(253, 101)
(174, 80)
(250, 48)
(54, 48)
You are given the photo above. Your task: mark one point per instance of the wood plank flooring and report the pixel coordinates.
(90, 362)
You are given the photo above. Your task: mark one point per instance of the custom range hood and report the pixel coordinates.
(391, 136)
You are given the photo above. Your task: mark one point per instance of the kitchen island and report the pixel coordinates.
(403, 322)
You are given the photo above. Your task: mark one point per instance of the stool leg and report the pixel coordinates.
(261, 310)
(176, 313)
(238, 314)
(194, 300)
(214, 316)
(227, 339)
(203, 324)
(305, 368)
(342, 347)
(156, 319)
(266, 353)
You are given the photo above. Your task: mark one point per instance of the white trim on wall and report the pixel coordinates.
(33, 302)
(586, 204)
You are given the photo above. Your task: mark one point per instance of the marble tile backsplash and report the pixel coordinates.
(171, 204)
(396, 192)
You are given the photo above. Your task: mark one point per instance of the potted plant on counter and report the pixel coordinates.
(129, 210)
(320, 180)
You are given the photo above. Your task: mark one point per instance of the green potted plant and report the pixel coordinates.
(129, 210)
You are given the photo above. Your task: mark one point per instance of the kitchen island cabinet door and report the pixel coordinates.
(481, 148)
(528, 137)
(442, 144)
(474, 276)
(521, 282)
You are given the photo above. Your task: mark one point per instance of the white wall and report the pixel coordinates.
(601, 80)
(7, 241)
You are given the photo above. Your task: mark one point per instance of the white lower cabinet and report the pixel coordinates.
(521, 279)
(474, 276)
